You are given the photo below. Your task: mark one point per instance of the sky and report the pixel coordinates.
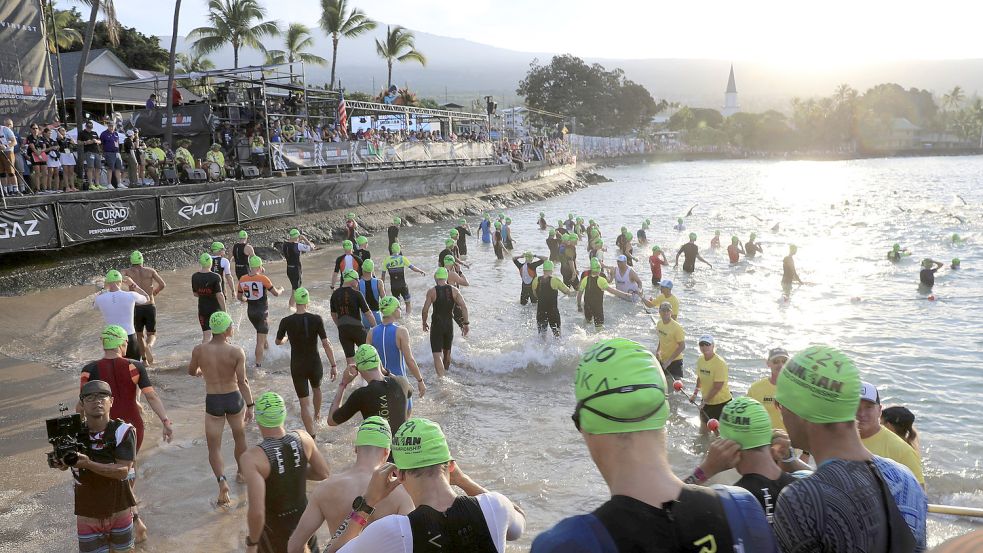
(833, 32)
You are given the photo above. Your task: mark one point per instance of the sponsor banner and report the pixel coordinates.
(87, 221)
(262, 203)
(26, 94)
(197, 210)
(187, 120)
(288, 156)
(28, 228)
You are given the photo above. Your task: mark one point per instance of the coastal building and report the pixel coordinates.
(514, 121)
(903, 135)
(731, 106)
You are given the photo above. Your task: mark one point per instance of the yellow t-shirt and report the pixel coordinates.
(763, 391)
(670, 336)
(673, 300)
(714, 370)
(889, 445)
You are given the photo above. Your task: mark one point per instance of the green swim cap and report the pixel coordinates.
(346, 245)
(302, 296)
(547, 265)
(368, 266)
(219, 322)
(679, 219)
(627, 235)
(734, 240)
(692, 236)
(580, 219)
(569, 215)
(527, 254)
(205, 260)
(271, 412)
(552, 233)
(595, 265)
(793, 248)
(598, 242)
(656, 249)
(255, 262)
(624, 230)
(925, 263)
(753, 236)
(420, 443)
(217, 246)
(956, 238)
(821, 385)
(114, 276)
(559, 223)
(397, 220)
(498, 224)
(955, 261)
(113, 336)
(594, 233)
(366, 358)
(462, 221)
(508, 219)
(716, 233)
(449, 260)
(394, 248)
(351, 215)
(349, 275)
(648, 222)
(440, 274)
(542, 214)
(243, 234)
(448, 242)
(294, 233)
(745, 421)
(361, 240)
(896, 247)
(620, 387)
(388, 305)
(374, 431)
(454, 233)
(136, 258)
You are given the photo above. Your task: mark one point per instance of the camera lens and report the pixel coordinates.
(70, 458)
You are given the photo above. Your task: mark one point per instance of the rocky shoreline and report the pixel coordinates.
(27, 272)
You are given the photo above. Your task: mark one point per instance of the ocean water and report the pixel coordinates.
(506, 403)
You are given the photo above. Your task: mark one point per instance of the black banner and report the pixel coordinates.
(188, 120)
(262, 203)
(87, 221)
(28, 228)
(197, 210)
(26, 94)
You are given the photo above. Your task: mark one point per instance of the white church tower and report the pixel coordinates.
(730, 97)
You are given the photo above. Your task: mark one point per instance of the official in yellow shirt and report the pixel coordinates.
(665, 295)
(672, 342)
(763, 391)
(711, 382)
(879, 440)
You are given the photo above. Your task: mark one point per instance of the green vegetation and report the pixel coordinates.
(603, 102)
(133, 48)
(338, 22)
(399, 45)
(236, 22)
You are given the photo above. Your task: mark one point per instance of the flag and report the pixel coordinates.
(343, 116)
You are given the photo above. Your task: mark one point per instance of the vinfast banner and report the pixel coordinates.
(26, 94)
(28, 228)
(263, 203)
(197, 210)
(88, 221)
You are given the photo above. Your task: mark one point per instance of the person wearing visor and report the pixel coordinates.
(711, 382)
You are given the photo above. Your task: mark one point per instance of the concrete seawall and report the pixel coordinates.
(420, 195)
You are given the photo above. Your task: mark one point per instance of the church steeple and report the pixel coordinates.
(730, 96)
(731, 85)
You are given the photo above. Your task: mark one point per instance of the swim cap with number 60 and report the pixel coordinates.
(821, 385)
(628, 367)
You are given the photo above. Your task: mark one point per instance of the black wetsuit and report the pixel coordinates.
(462, 527)
(751, 248)
(286, 492)
(690, 251)
(927, 277)
(385, 398)
(295, 271)
(304, 330)
(498, 244)
(442, 319)
(554, 245)
(462, 240)
(349, 304)
(641, 235)
(765, 490)
(240, 259)
(393, 236)
(593, 301)
(547, 312)
(207, 286)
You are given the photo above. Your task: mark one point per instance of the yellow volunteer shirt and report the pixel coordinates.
(763, 391)
(670, 336)
(889, 445)
(673, 301)
(710, 371)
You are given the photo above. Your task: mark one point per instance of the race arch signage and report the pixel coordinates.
(89, 221)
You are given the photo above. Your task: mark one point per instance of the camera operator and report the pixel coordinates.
(103, 498)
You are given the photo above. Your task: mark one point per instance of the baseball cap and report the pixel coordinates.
(821, 385)
(113, 336)
(302, 296)
(114, 276)
(136, 258)
(619, 387)
(745, 421)
(622, 259)
(388, 305)
(420, 443)
(366, 358)
(374, 431)
(440, 274)
(665, 283)
(219, 322)
(705, 339)
(95, 387)
(270, 410)
(868, 392)
(777, 352)
(349, 275)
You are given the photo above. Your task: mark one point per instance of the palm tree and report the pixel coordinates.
(195, 63)
(399, 46)
(297, 39)
(338, 22)
(232, 22)
(954, 98)
(170, 73)
(112, 30)
(62, 36)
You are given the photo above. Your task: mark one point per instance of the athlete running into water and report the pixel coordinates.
(499, 246)
(463, 231)
(372, 289)
(392, 342)
(734, 250)
(252, 290)
(242, 250)
(544, 290)
(553, 243)
(351, 227)
(789, 274)
(395, 266)
(590, 295)
(393, 231)
(117, 307)
(347, 307)
(626, 279)
(361, 249)
(145, 315)
(443, 297)
(656, 261)
(484, 227)
(640, 233)
(691, 252)
(752, 248)
(926, 277)
(227, 395)
(347, 261)
(292, 250)
(304, 330)
(527, 272)
(542, 221)
(207, 287)
(222, 267)
(715, 241)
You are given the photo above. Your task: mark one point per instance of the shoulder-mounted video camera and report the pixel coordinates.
(66, 435)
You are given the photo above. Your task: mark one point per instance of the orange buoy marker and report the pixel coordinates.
(713, 425)
(678, 385)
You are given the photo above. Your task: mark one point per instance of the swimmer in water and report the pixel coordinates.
(393, 231)
(897, 252)
(145, 315)
(527, 263)
(751, 248)
(545, 289)
(927, 275)
(542, 221)
(484, 227)
(227, 395)
(640, 234)
(626, 279)
(656, 261)
(789, 274)
(463, 231)
(443, 297)
(498, 244)
(715, 241)
(956, 264)
(734, 250)
(679, 225)
(590, 295)
(691, 252)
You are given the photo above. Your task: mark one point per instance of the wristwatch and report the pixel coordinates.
(359, 505)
